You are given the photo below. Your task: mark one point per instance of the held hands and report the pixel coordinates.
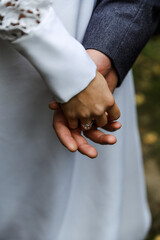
(91, 103)
(72, 139)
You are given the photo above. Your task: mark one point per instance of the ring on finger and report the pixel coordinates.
(87, 126)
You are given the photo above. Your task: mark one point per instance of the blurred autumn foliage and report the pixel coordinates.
(147, 81)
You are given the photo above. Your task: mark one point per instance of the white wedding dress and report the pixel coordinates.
(46, 192)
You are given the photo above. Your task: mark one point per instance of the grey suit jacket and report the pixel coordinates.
(120, 29)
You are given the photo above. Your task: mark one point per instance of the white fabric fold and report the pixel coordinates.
(47, 192)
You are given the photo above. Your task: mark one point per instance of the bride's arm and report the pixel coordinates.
(33, 29)
(60, 59)
(120, 29)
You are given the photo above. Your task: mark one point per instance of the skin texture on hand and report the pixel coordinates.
(91, 103)
(104, 66)
(72, 139)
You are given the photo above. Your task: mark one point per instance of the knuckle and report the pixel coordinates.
(110, 102)
(70, 115)
(99, 110)
(84, 113)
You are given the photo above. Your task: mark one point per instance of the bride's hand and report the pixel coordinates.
(91, 103)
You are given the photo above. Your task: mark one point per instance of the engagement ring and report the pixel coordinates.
(87, 126)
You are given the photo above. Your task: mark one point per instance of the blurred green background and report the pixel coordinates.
(147, 82)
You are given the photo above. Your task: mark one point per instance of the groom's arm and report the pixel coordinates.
(120, 30)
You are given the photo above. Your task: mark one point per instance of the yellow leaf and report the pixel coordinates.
(157, 238)
(140, 99)
(150, 138)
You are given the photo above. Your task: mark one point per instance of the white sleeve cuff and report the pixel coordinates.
(59, 58)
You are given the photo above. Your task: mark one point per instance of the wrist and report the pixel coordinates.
(102, 62)
(104, 66)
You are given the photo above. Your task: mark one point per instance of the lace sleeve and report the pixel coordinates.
(20, 17)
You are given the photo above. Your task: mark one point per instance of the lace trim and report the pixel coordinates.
(20, 17)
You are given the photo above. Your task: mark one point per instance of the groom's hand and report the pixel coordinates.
(73, 139)
(91, 103)
(104, 66)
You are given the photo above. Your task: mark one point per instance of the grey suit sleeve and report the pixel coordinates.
(120, 29)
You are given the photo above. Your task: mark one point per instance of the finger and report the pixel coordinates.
(83, 146)
(88, 150)
(112, 126)
(113, 113)
(101, 121)
(54, 105)
(99, 137)
(86, 123)
(72, 123)
(60, 126)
